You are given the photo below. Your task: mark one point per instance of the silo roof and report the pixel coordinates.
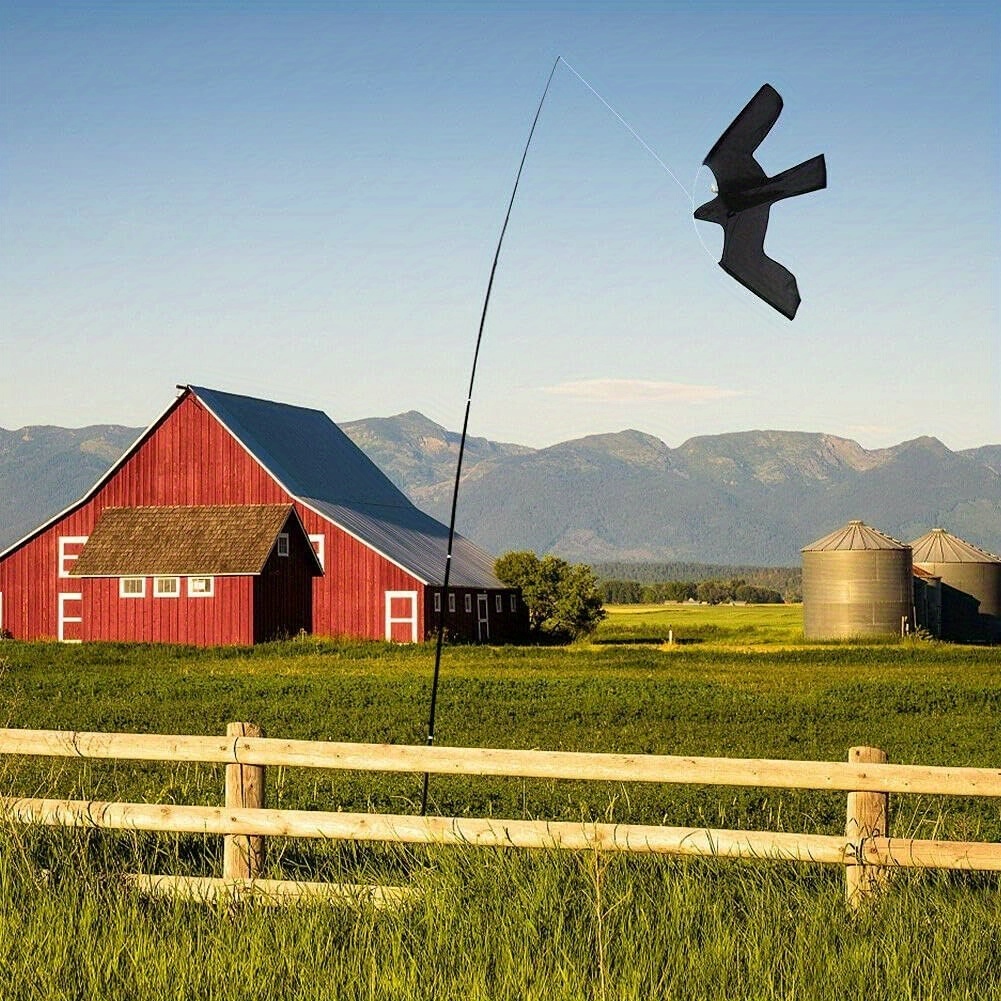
(940, 546)
(856, 535)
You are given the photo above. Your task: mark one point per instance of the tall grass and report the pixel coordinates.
(493, 924)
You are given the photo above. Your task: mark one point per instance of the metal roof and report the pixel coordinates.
(319, 465)
(854, 536)
(209, 539)
(940, 546)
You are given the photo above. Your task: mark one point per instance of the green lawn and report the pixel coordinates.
(746, 625)
(495, 924)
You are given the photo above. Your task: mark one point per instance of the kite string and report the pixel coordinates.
(674, 177)
(689, 192)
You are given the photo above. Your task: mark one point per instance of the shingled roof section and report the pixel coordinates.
(214, 540)
(318, 464)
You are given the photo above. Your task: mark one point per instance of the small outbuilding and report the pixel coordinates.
(970, 586)
(856, 582)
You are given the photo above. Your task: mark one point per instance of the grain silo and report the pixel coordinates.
(856, 582)
(971, 586)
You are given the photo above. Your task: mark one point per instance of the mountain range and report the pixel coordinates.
(749, 497)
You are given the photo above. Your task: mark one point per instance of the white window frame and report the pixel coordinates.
(514, 603)
(499, 604)
(437, 602)
(319, 544)
(209, 591)
(66, 558)
(62, 618)
(451, 603)
(158, 580)
(282, 545)
(123, 593)
(410, 619)
(469, 604)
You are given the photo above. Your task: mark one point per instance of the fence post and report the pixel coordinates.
(868, 817)
(243, 855)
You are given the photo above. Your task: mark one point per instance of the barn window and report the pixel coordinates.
(167, 587)
(283, 544)
(69, 550)
(469, 603)
(319, 544)
(131, 587)
(201, 587)
(437, 601)
(451, 602)
(514, 603)
(499, 603)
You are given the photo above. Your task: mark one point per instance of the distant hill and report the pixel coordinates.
(417, 454)
(750, 498)
(44, 469)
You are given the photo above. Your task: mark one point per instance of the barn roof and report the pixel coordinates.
(319, 465)
(210, 540)
(854, 536)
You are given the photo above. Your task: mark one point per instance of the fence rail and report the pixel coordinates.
(763, 773)
(865, 849)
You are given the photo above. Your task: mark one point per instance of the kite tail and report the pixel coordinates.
(462, 440)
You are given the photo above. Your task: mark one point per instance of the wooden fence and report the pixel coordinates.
(866, 849)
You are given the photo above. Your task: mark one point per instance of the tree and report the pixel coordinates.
(563, 599)
(621, 592)
(713, 592)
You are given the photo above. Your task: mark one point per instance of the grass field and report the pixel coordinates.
(492, 924)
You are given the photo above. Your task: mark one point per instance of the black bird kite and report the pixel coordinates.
(745, 193)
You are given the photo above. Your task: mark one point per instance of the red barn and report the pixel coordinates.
(237, 520)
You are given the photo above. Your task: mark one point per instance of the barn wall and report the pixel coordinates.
(504, 626)
(224, 619)
(349, 600)
(283, 593)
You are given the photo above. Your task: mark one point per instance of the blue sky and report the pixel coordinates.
(300, 201)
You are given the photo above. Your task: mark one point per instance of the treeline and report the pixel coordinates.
(653, 583)
(712, 592)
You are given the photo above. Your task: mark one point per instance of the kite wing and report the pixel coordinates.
(744, 258)
(732, 158)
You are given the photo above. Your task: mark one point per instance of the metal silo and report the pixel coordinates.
(856, 582)
(971, 586)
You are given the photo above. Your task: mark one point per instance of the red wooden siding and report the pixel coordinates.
(283, 592)
(349, 600)
(224, 619)
(505, 626)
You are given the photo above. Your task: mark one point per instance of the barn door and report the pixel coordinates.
(401, 616)
(69, 624)
(482, 619)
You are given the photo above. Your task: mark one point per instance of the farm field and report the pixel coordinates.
(737, 682)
